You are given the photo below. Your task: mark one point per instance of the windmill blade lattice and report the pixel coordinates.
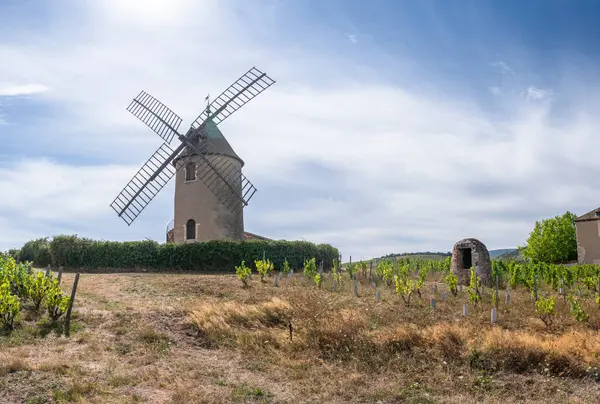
(224, 179)
(235, 96)
(156, 115)
(145, 184)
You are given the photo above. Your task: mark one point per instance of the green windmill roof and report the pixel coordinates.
(218, 143)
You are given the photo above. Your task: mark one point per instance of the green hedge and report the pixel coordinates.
(37, 251)
(211, 256)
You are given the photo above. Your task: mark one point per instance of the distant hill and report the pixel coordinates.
(497, 253)
(511, 255)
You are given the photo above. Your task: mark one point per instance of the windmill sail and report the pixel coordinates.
(225, 180)
(235, 96)
(145, 184)
(156, 115)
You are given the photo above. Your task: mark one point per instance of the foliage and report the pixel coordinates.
(545, 309)
(577, 311)
(285, 268)
(351, 269)
(9, 306)
(421, 279)
(385, 271)
(310, 268)
(404, 285)
(17, 275)
(210, 256)
(36, 251)
(474, 287)
(552, 240)
(243, 273)
(263, 267)
(318, 280)
(38, 288)
(337, 276)
(452, 281)
(56, 301)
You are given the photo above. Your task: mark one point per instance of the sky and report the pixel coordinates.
(393, 126)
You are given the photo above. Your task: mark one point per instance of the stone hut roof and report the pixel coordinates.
(591, 215)
(470, 242)
(218, 143)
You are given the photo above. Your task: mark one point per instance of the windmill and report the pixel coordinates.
(210, 189)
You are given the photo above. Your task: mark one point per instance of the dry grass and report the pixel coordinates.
(202, 338)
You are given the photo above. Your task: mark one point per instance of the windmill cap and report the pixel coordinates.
(217, 143)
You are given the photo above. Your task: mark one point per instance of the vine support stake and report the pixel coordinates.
(497, 282)
(60, 271)
(71, 301)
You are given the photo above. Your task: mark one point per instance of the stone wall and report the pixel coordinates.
(480, 261)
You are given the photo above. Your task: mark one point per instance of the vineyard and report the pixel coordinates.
(396, 331)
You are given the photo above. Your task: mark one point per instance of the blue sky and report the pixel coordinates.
(393, 126)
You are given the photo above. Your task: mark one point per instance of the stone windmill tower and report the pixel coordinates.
(210, 188)
(199, 214)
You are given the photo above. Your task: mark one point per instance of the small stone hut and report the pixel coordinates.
(469, 253)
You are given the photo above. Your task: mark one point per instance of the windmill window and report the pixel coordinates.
(190, 230)
(190, 172)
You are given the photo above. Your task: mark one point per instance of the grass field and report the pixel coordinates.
(202, 338)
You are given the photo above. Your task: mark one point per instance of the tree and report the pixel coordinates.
(552, 240)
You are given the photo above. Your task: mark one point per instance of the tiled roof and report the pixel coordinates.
(591, 215)
(252, 236)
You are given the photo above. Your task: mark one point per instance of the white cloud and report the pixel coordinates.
(537, 94)
(25, 89)
(352, 38)
(353, 160)
(503, 68)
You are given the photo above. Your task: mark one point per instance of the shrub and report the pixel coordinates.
(56, 301)
(474, 287)
(452, 281)
(404, 285)
(421, 280)
(285, 268)
(243, 273)
(310, 268)
(38, 288)
(336, 275)
(264, 267)
(385, 270)
(9, 306)
(545, 309)
(351, 269)
(318, 280)
(577, 311)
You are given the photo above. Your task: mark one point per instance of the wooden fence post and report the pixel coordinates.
(68, 315)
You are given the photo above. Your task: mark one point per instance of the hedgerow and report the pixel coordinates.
(210, 256)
